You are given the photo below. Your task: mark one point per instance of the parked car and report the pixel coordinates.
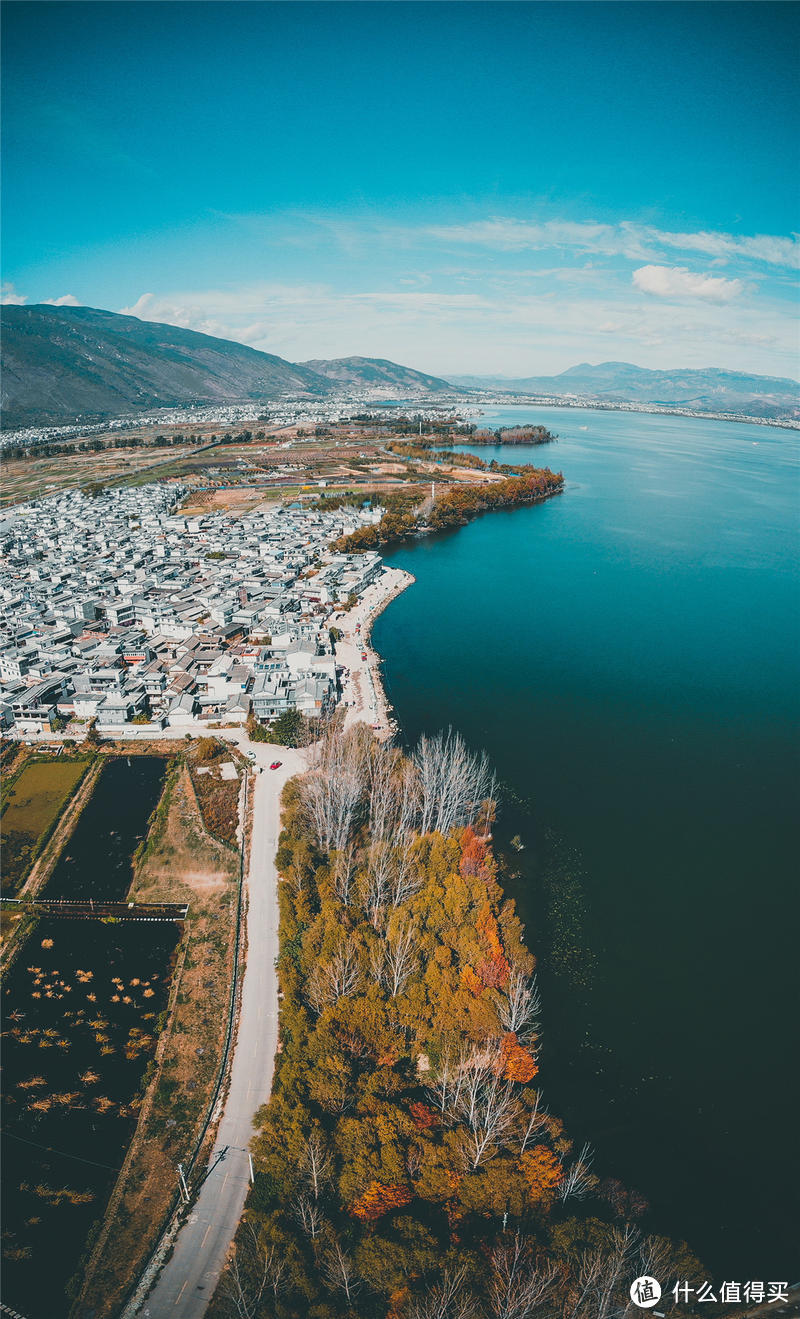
(276, 764)
(251, 755)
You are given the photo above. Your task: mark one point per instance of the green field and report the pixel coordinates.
(32, 805)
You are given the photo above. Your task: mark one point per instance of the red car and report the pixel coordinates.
(276, 764)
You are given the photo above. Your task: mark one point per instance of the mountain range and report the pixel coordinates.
(707, 390)
(66, 364)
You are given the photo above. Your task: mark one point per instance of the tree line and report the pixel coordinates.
(454, 507)
(512, 435)
(407, 1164)
(50, 449)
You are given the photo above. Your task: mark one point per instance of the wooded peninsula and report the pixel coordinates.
(454, 507)
(407, 1164)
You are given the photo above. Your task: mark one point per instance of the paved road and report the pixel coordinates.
(187, 1283)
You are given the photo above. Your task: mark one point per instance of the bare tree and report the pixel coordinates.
(405, 878)
(490, 1110)
(447, 1299)
(414, 1154)
(579, 1179)
(520, 1005)
(409, 803)
(518, 1288)
(316, 1164)
(384, 793)
(377, 883)
(444, 1089)
(602, 1276)
(333, 791)
(336, 979)
(338, 1270)
(537, 1121)
(343, 874)
(296, 874)
(394, 960)
(453, 782)
(308, 1213)
(251, 1270)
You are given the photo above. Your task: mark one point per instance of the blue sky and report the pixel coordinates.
(462, 187)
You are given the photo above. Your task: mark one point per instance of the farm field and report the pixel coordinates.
(182, 862)
(33, 803)
(31, 478)
(81, 1007)
(225, 471)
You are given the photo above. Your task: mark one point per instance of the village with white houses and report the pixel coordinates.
(123, 613)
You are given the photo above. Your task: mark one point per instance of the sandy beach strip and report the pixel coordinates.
(362, 688)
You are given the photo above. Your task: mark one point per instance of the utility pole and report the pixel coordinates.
(252, 1174)
(184, 1187)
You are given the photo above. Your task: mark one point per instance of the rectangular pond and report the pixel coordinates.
(80, 1011)
(33, 802)
(97, 861)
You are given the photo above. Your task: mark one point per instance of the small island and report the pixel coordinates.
(512, 435)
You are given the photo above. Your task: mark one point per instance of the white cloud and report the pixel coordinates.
(66, 300)
(140, 306)
(678, 282)
(627, 239)
(10, 297)
(520, 331)
(768, 248)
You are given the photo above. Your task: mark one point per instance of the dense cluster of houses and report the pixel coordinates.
(120, 609)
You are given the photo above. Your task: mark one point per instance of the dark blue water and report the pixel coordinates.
(80, 1008)
(627, 653)
(97, 861)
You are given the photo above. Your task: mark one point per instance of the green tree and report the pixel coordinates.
(289, 729)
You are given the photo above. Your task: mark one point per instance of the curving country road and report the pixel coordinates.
(188, 1280)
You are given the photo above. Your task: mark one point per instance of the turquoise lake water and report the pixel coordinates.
(627, 653)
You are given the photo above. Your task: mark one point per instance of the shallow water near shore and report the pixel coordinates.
(627, 653)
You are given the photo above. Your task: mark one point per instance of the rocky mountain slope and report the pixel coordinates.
(377, 373)
(63, 363)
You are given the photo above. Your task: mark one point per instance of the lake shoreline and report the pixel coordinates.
(370, 705)
(661, 567)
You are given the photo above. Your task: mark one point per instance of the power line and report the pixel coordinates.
(63, 1153)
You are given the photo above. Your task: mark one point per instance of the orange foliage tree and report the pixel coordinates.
(516, 1062)
(493, 970)
(378, 1200)
(473, 856)
(542, 1171)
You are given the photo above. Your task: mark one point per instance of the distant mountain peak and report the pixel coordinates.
(376, 372)
(705, 389)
